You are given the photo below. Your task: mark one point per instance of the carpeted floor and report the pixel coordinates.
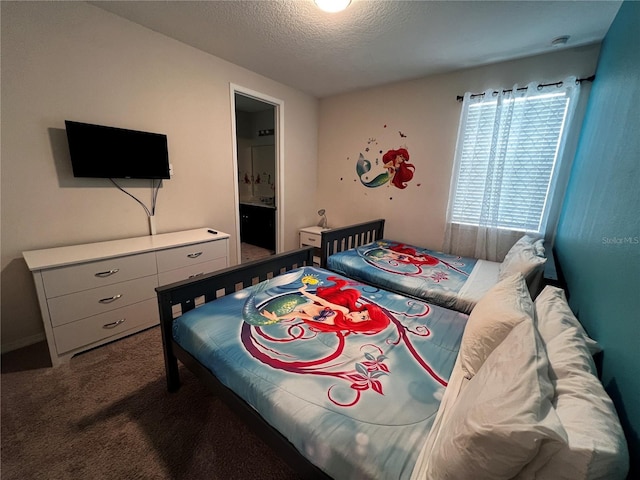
(107, 415)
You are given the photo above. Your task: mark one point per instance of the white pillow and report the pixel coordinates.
(529, 239)
(522, 257)
(554, 316)
(596, 447)
(505, 305)
(503, 419)
(539, 247)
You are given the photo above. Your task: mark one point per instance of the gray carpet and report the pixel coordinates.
(107, 415)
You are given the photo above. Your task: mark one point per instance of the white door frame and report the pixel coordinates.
(279, 146)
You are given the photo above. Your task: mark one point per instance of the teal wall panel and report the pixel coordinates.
(598, 237)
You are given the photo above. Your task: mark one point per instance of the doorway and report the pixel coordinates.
(256, 143)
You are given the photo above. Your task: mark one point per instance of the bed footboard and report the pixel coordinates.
(177, 298)
(343, 238)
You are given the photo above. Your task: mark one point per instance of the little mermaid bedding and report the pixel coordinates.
(447, 280)
(350, 374)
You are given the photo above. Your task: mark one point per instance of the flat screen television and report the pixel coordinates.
(98, 151)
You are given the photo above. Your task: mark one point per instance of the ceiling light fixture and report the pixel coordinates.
(332, 6)
(560, 41)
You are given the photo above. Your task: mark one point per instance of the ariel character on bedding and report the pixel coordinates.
(409, 260)
(308, 322)
(405, 254)
(331, 309)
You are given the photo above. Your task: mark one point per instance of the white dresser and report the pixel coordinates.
(96, 293)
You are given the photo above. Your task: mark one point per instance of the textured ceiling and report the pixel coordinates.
(372, 42)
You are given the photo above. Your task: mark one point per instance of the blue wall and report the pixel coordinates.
(598, 237)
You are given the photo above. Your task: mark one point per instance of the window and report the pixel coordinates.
(509, 148)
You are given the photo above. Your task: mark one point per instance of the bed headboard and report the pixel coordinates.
(343, 238)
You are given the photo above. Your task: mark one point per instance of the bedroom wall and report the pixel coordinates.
(423, 116)
(598, 238)
(72, 60)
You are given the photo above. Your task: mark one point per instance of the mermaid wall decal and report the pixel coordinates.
(391, 168)
(394, 169)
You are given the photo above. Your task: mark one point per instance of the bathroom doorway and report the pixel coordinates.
(257, 167)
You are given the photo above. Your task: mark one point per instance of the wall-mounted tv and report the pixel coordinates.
(98, 151)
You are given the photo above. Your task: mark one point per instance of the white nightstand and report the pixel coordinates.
(310, 237)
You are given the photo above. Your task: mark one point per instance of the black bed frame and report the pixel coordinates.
(344, 238)
(178, 298)
(188, 294)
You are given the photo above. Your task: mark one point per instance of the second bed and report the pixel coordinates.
(361, 252)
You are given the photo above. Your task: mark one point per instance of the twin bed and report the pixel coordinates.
(347, 379)
(363, 253)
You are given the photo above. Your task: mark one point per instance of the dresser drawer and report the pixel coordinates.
(72, 307)
(75, 278)
(99, 327)
(191, 271)
(190, 255)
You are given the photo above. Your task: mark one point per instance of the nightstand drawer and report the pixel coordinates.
(99, 327)
(309, 239)
(76, 278)
(69, 308)
(191, 271)
(190, 255)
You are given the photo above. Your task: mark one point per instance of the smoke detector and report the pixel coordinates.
(560, 41)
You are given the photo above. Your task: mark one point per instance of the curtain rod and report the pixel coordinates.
(579, 80)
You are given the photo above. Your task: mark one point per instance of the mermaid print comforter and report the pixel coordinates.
(435, 277)
(351, 374)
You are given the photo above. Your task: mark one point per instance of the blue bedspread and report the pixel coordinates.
(431, 276)
(350, 374)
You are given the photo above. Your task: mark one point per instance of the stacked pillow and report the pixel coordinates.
(596, 446)
(525, 257)
(555, 318)
(532, 408)
(504, 306)
(504, 418)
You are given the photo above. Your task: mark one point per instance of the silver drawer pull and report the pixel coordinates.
(311, 239)
(114, 324)
(196, 275)
(107, 273)
(110, 299)
(194, 255)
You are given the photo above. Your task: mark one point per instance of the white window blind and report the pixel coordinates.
(509, 151)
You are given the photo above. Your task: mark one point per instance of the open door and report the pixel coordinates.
(257, 134)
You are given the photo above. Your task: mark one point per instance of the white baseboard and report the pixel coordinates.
(23, 342)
